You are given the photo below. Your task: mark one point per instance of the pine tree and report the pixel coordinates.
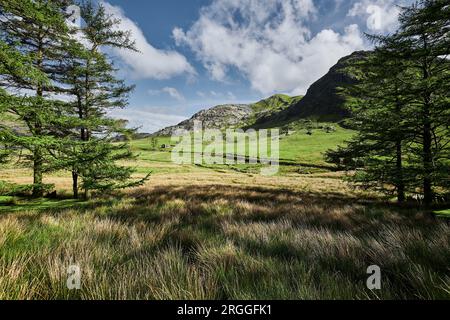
(401, 105)
(36, 29)
(14, 64)
(97, 90)
(423, 42)
(378, 109)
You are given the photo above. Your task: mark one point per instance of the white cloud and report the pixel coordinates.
(150, 62)
(266, 41)
(147, 121)
(214, 95)
(172, 92)
(201, 94)
(231, 95)
(380, 15)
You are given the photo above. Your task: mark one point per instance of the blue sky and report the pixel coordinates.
(200, 53)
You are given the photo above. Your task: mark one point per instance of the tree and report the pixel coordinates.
(423, 42)
(154, 143)
(19, 66)
(97, 90)
(378, 109)
(401, 105)
(37, 30)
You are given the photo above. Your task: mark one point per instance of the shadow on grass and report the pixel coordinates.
(207, 207)
(23, 204)
(249, 238)
(261, 204)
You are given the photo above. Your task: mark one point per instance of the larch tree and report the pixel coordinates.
(94, 83)
(401, 106)
(37, 30)
(423, 43)
(14, 64)
(378, 107)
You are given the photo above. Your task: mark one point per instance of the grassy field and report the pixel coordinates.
(197, 232)
(299, 148)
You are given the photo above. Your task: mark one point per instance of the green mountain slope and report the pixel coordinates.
(235, 115)
(267, 108)
(275, 103)
(322, 100)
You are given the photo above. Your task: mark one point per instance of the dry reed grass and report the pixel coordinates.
(226, 236)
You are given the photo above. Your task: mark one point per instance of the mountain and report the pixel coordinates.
(321, 100)
(265, 109)
(228, 115)
(234, 115)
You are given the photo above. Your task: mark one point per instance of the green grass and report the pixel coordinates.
(225, 232)
(309, 149)
(6, 200)
(181, 242)
(16, 204)
(443, 213)
(298, 148)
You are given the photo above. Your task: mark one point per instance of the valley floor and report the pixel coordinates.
(204, 234)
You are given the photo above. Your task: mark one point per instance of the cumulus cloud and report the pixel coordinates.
(380, 15)
(147, 119)
(213, 94)
(149, 62)
(172, 92)
(268, 42)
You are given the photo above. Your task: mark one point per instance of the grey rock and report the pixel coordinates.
(219, 117)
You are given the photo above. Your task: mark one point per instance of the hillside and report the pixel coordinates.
(235, 115)
(322, 100)
(267, 108)
(230, 115)
(9, 120)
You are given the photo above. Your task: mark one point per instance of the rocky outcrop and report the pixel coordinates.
(322, 100)
(220, 117)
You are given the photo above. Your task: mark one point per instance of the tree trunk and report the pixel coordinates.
(427, 136)
(38, 190)
(427, 164)
(75, 184)
(38, 159)
(400, 182)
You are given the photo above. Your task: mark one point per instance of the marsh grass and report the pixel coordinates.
(211, 241)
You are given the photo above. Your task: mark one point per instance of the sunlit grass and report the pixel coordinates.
(222, 232)
(252, 239)
(443, 213)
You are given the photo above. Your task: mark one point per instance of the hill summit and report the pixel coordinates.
(321, 102)
(234, 115)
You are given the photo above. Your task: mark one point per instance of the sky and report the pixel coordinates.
(196, 54)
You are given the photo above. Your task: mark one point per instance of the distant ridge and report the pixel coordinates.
(321, 102)
(234, 115)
